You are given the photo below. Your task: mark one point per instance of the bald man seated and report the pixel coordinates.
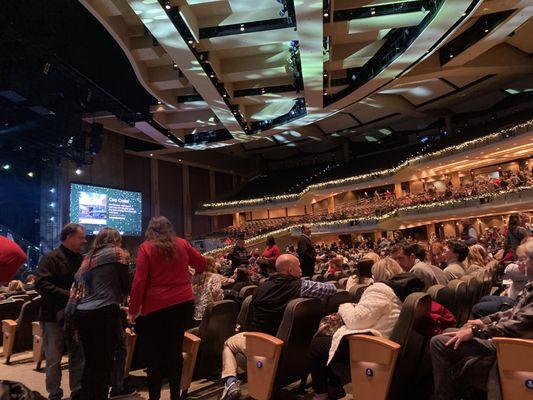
(269, 302)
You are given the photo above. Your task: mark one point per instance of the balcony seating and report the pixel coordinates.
(515, 367)
(299, 324)
(18, 334)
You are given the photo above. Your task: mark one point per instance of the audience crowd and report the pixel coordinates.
(86, 299)
(382, 203)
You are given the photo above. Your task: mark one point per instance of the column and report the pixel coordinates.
(398, 192)
(331, 205)
(430, 230)
(187, 217)
(346, 151)
(212, 196)
(456, 181)
(236, 219)
(154, 187)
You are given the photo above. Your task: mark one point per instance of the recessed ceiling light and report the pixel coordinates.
(326, 14)
(242, 27)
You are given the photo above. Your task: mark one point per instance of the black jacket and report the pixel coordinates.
(306, 251)
(55, 275)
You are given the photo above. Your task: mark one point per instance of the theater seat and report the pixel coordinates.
(332, 303)
(342, 283)
(445, 296)
(247, 291)
(515, 367)
(38, 351)
(131, 342)
(10, 309)
(218, 324)
(191, 344)
(473, 290)
(415, 310)
(318, 278)
(263, 353)
(460, 309)
(372, 364)
(334, 283)
(245, 313)
(298, 326)
(356, 291)
(17, 334)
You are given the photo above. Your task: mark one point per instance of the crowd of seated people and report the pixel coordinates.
(380, 204)
(173, 285)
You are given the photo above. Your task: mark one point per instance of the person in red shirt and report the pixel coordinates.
(271, 252)
(162, 293)
(11, 258)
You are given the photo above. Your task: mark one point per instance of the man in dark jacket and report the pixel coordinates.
(54, 279)
(306, 252)
(238, 255)
(268, 303)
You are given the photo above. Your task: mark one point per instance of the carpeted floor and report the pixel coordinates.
(22, 369)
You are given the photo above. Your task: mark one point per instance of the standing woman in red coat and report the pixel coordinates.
(162, 293)
(271, 252)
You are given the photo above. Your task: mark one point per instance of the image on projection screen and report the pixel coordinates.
(95, 207)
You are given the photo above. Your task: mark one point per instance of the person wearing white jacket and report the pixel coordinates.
(376, 313)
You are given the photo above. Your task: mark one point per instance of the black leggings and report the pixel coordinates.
(100, 332)
(332, 377)
(163, 331)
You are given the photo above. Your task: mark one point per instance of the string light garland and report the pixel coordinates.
(377, 219)
(370, 175)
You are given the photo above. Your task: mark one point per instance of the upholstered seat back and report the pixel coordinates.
(357, 291)
(299, 325)
(216, 327)
(415, 310)
(28, 314)
(332, 303)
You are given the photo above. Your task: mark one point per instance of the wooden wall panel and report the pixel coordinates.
(199, 192)
(171, 194)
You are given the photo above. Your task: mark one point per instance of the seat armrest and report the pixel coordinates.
(9, 330)
(191, 344)
(372, 363)
(131, 341)
(262, 357)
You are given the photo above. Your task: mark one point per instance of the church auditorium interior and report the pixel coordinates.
(266, 199)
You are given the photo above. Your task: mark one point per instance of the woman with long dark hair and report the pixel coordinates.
(162, 293)
(99, 289)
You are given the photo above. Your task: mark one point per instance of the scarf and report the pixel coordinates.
(107, 254)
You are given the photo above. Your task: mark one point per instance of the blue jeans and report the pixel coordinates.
(491, 304)
(54, 340)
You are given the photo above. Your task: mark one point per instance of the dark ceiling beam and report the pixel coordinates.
(248, 27)
(379, 11)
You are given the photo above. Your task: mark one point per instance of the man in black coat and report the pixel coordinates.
(306, 252)
(54, 279)
(238, 255)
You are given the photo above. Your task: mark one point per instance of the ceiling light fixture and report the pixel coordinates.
(31, 174)
(326, 14)
(372, 11)
(242, 27)
(167, 5)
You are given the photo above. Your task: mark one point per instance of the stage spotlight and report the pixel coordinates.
(52, 190)
(78, 171)
(31, 174)
(6, 167)
(52, 219)
(52, 204)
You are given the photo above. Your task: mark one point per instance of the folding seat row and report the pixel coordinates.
(10, 310)
(17, 334)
